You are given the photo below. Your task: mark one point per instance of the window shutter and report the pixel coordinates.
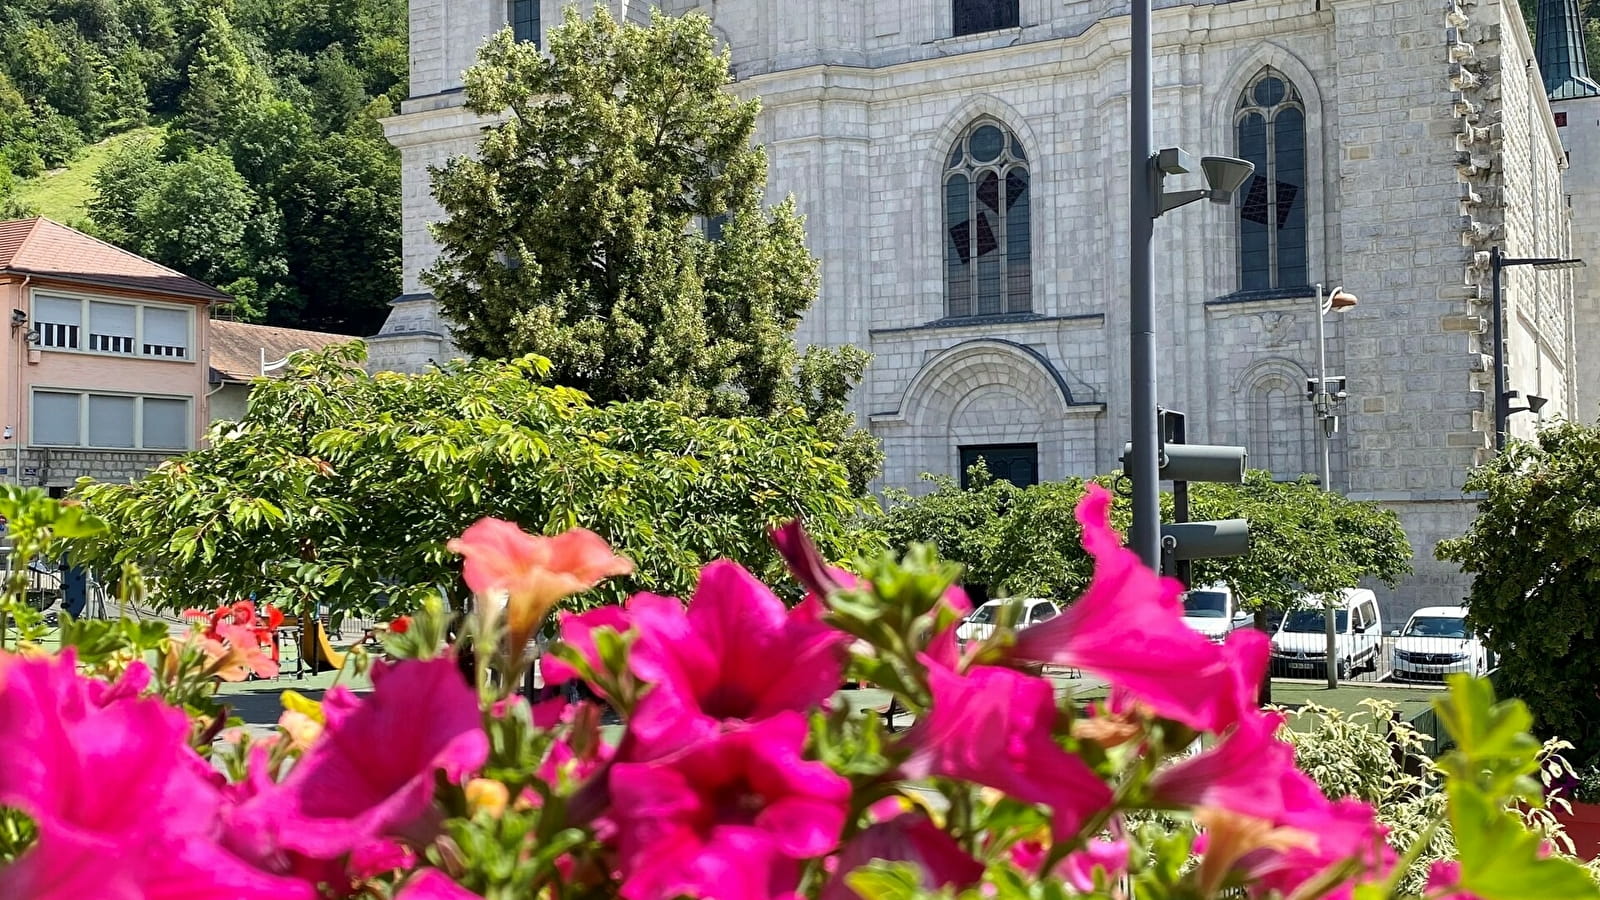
(110, 421)
(58, 321)
(166, 424)
(166, 332)
(111, 327)
(55, 419)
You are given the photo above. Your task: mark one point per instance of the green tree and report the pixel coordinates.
(1026, 541)
(580, 232)
(342, 488)
(131, 172)
(223, 81)
(1535, 594)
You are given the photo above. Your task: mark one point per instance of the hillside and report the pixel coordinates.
(63, 194)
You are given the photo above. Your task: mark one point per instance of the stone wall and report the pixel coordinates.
(1581, 136)
(62, 468)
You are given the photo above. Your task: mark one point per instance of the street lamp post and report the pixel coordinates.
(1499, 262)
(1325, 402)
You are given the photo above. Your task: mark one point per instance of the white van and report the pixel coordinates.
(1213, 611)
(1301, 645)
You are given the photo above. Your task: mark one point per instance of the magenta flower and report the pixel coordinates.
(149, 832)
(1128, 628)
(577, 632)
(909, 837)
(719, 660)
(432, 884)
(727, 818)
(371, 773)
(1110, 858)
(1249, 772)
(993, 726)
(806, 564)
(1334, 833)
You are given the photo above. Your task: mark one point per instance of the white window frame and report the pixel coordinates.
(139, 306)
(138, 420)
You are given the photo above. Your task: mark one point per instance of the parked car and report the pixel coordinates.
(1300, 645)
(1213, 611)
(979, 624)
(1437, 641)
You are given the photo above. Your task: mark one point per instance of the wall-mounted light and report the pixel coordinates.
(19, 318)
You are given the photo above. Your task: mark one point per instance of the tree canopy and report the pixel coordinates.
(613, 222)
(1027, 542)
(1535, 595)
(343, 488)
(270, 177)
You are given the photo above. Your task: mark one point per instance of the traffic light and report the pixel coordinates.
(1180, 463)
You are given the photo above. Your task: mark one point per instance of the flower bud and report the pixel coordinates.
(487, 795)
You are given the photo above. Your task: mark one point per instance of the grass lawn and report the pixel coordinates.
(61, 194)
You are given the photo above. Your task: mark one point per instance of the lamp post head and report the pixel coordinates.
(1225, 175)
(1341, 300)
(1536, 403)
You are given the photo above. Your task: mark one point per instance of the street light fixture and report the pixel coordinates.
(1326, 404)
(1498, 262)
(1147, 201)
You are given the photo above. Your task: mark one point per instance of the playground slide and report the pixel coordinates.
(317, 652)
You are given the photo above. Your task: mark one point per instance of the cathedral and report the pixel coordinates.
(963, 169)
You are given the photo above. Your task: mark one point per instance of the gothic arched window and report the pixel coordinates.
(988, 256)
(1270, 126)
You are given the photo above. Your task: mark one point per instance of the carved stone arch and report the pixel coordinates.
(974, 107)
(934, 393)
(1279, 433)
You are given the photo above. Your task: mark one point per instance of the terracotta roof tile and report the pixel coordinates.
(236, 348)
(39, 246)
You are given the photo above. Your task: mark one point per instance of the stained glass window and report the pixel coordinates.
(1270, 128)
(988, 252)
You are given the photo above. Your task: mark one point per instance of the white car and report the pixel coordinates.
(979, 624)
(1300, 648)
(1213, 611)
(1436, 642)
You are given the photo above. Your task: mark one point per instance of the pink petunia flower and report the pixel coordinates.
(432, 884)
(1110, 858)
(910, 837)
(993, 726)
(149, 831)
(1128, 627)
(728, 818)
(371, 773)
(1250, 772)
(718, 660)
(534, 571)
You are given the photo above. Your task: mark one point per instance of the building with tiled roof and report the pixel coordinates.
(241, 353)
(106, 359)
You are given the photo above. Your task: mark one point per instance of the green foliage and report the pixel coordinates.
(288, 92)
(1495, 763)
(1530, 552)
(1027, 542)
(579, 230)
(342, 488)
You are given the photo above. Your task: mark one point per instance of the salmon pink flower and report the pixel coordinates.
(912, 838)
(1128, 627)
(370, 774)
(993, 726)
(534, 572)
(737, 653)
(727, 818)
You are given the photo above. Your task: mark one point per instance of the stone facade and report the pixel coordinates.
(1579, 121)
(1426, 141)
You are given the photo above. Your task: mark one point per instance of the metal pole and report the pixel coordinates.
(1501, 413)
(1143, 466)
(1320, 404)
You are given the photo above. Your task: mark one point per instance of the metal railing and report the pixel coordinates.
(1386, 658)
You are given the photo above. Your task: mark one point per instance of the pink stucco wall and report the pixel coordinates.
(22, 369)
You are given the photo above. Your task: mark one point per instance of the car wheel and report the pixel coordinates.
(1345, 670)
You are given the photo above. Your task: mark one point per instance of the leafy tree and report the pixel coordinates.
(1026, 541)
(342, 488)
(1534, 597)
(223, 81)
(579, 232)
(131, 172)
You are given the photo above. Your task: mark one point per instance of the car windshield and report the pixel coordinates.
(1438, 626)
(1313, 621)
(1205, 605)
(984, 615)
